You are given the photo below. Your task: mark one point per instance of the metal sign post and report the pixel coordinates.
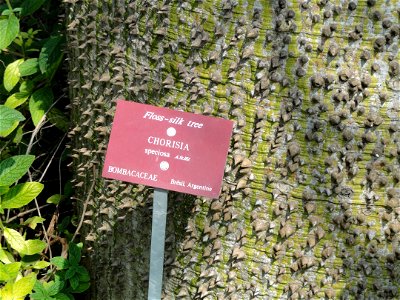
(160, 203)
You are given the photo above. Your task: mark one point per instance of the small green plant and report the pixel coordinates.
(18, 277)
(33, 125)
(29, 61)
(70, 278)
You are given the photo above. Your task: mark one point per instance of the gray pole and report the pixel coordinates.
(160, 203)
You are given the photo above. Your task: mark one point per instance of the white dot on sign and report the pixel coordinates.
(171, 131)
(164, 165)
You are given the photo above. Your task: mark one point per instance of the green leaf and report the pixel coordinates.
(41, 265)
(71, 272)
(24, 286)
(17, 135)
(34, 247)
(26, 86)
(74, 252)
(33, 221)
(29, 67)
(58, 118)
(74, 281)
(61, 296)
(39, 295)
(16, 99)
(8, 118)
(6, 293)
(55, 199)
(54, 287)
(40, 292)
(51, 54)
(4, 189)
(60, 262)
(83, 274)
(8, 12)
(6, 257)
(9, 272)
(64, 223)
(21, 194)
(13, 168)
(30, 6)
(39, 103)
(12, 75)
(9, 131)
(15, 239)
(82, 286)
(9, 29)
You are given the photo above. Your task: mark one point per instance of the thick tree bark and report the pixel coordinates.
(311, 197)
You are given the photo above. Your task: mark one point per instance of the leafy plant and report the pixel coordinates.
(17, 277)
(70, 278)
(31, 61)
(32, 121)
(16, 285)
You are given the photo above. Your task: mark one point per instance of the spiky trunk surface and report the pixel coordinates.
(311, 198)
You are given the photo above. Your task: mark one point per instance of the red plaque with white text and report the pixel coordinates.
(168, 149)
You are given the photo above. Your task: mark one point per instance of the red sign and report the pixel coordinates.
(168, 149)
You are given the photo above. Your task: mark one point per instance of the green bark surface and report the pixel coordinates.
(310, 202)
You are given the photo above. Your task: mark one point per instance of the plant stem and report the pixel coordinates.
(25, 213)
(12, 52)
(10, 7)
(85, 204)
(52, 157)
(38, 127)
(40, 215)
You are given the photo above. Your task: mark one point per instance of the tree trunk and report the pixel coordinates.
(311, 196)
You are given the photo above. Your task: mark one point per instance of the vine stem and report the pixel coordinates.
(31, 142)
(13, 53)
(38, 127)
(40, 215)
(85, 204)
(25, 213)
(52, 157)
(9, 6)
